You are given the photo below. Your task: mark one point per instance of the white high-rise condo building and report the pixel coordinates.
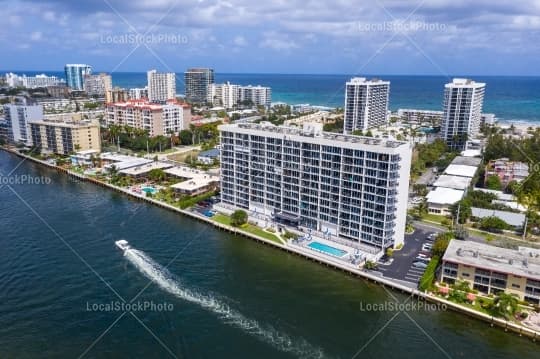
(463, 101)
(225, 95)
(366, 104)
(75, 75)
(138, 93)
(350, 187)
(161, 86)
(229, 95)
(18, 118)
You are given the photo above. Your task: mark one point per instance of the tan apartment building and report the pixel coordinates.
(157, 119)
(492, 270)
(65, 135)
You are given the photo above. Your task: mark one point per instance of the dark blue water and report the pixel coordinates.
(230, 297)
(512, 99)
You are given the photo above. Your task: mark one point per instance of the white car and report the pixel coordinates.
(427, 247)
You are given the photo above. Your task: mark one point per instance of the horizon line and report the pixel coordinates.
(291, 73)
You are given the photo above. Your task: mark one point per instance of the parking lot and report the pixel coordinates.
(402, 267)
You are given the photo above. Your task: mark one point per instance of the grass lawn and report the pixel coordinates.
(433, 218)
(220, 218)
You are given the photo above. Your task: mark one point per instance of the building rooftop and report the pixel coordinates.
(471, 153)
(467, 161)
(442, 195)
(315, 131)
(195, 179)
(144, 168)
(363, 80)
(523, 262)
(460, 82)
(513, 219)
(454, 182)
(500, 194)
(461, 170)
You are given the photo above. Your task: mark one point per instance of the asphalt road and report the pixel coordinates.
(401, 268)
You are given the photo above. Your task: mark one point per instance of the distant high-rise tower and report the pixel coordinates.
(161, 86)
(463, 100)
(75, 75)
(97, 85)
(366, 104)
(198, 81)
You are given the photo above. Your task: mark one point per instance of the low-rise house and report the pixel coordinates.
(516, 220)
(208, 157)
(453, 182)
(461, 170)
(196, 181)
(507, 170)
(441, 199)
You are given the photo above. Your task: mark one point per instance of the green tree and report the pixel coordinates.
(494, 182)
(441, 243)
(157, 174)
(239, 218)
(493, 224)
(505, 305)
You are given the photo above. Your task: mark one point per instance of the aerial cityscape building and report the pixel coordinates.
(97, 85)
(198, 81)
(350, 187)
(161, 86)
(463, 101)
(75, 75)
(158, 119)
(366, 104)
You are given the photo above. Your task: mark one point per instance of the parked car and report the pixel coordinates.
(420, 265)
(422, 255)
(427, 247)
(431, 236)
(423, 259)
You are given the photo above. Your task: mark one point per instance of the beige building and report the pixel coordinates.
(64, 136)
(491, 269)
(97, 85)
(116, 94)
(157, 119)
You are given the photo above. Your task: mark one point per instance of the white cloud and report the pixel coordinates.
(240, 41)
(36, 36)
(277, 41)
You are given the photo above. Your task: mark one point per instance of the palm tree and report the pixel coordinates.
(505, 305)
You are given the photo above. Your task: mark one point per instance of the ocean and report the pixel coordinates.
(204, 293)
(511, 99)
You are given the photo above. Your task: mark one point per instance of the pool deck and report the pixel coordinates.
(330, 261)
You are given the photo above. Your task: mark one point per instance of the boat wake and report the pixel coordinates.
(166, 281)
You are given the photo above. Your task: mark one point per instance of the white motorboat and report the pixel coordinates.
(122, 244)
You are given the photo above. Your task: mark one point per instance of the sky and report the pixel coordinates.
(430, 37)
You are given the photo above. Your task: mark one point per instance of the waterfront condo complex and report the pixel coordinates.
(161, 86)
(463, 100)
(491, 270)
(157, 119)
(75, 75)
(366, 104)
(198, 81)
(18, 117)
(58, 134)
(230, 95)
(350, 187)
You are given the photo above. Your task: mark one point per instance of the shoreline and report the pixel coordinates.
(314, 256)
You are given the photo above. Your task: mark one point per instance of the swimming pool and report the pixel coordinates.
(151, 190)
(321, 247)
